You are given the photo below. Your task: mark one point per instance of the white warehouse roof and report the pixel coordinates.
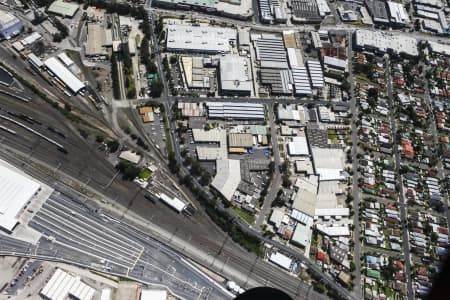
(16, 191)
(63, 285)
(231, 110)
(228, 177)
(281, 260)
(298, 146)
(7, 20)
(199, 38)
(153, 295)
(383, 42)
(398, 13)
(235, 74)
(60, 71)
(335, 62)
(65, 59)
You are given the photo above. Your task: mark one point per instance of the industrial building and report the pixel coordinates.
(191, 109)
(35, 61)
(323, 8)
(383, 42)
(63, 9)
(229, 8)
(240, 140)
(265, 11)
(56, 68)
(298, 146)
(65, 59)
(329, 163)
(16, 191)
(335, 63)
(281, 260)
(10, 25)
(439, 48)
(315, 73)
(279, 81)
(304, 200)
(228, 177)
(302, 86)
(153, 295)
(63, 285)
(399, 14)
(377, 10)
(305, 11)
(270, 51)
(196, 74)
(237, 111)
(216, 136)
(95, 40)
(199, 39)
(235, 76)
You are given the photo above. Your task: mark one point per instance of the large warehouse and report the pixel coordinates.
(235, 75)
(228, 177)
(200, 39)
(16, 191)
(63, 285)
(63, 9)
(64, 75)
(9, 25)
(236, 111)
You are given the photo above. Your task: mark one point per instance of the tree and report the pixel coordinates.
(99, 138)
(113, 146)
(129, 170)
(205, 178)
(157, 88)
(173, 59)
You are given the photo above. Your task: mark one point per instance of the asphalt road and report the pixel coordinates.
(355, 188)
(276, 180)
(402, 203)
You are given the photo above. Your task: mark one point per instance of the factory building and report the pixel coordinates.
(63, 9)
(216, 143)
(235, 76)
(383, 42)
(70, 81)
(305, 11)
(302, 86)
(63, 285)
(17, 190)
(270, 51)
(96, 40)
(377, 10)
(199, 39)
(265, 11)
(228, 177)
(35, 61)
(236, 111)
(399, 14)
(10, 25)
(315, 73)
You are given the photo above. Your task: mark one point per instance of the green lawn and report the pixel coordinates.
(249, 218)
(145, 174)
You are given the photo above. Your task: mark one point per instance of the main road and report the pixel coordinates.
(276, 179)
(401, 195)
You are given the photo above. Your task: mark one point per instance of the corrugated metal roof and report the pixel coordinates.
(16, 191)
(60, 71)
